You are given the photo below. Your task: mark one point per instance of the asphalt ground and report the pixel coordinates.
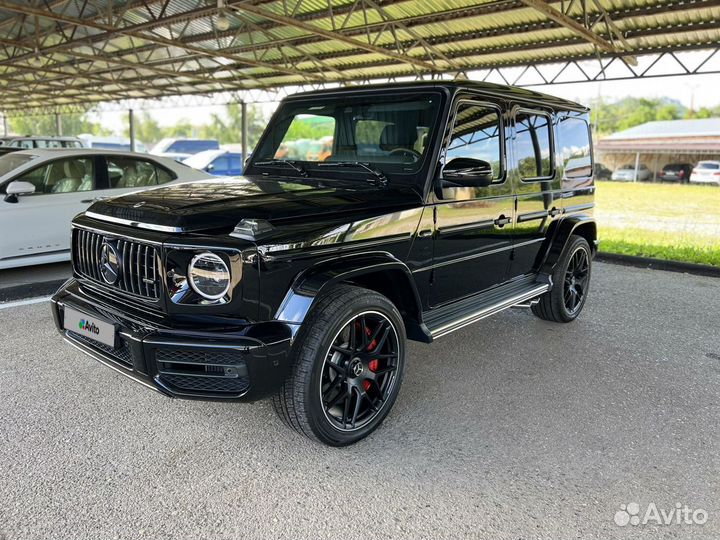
(510, 428)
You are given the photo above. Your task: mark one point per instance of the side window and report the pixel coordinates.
(163, 176)
(221, 165)
(22, 143)
(574, 140)
(532, 145)
(62, 176)
(477, 134)
(126, 172)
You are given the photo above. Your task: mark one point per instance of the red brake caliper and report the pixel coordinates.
(373, 364)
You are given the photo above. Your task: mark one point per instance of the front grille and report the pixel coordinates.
(212, 385)
(188, 356)
(207, 371)
(137, 262)
(121, 353)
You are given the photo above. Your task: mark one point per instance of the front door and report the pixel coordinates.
(472, 224)
(39, 224)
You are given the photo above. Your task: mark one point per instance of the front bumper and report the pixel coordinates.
(229, 363)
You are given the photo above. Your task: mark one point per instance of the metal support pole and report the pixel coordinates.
(244, 141)
(131, 125)
(637, 166)
(5, 126)
(655, 168)
(58, 124)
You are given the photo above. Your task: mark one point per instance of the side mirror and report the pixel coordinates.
(467, 172)
(210, 168)
(16, 189)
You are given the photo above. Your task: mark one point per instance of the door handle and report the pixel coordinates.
(425, 233)
(501, 221)
(96, 199)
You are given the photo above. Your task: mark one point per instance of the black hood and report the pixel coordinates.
(221, 203)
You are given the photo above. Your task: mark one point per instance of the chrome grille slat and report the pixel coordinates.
(86, 247)
(138, 262)
(95, 259)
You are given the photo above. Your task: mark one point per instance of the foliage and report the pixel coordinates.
(310, 127)
(631, 111)
(226, 127)
(72, 124)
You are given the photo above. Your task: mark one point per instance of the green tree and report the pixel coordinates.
(226, 127)
(630, 111)
(72, 124)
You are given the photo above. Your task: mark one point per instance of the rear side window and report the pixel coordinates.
(125, 172)
(574, 141)
(533, 147)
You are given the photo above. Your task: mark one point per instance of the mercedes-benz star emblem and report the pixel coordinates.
(357, 369)
(109, 263)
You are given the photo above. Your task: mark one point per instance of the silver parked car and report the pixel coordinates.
(626, 173)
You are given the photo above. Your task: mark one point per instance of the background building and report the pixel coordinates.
(656, 144)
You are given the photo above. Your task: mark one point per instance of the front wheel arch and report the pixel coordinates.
(390, 278)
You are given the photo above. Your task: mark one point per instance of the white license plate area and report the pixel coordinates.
(90, 327)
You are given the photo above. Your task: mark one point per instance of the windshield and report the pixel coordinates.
(708, 165)
(10, 162)
(391, 133)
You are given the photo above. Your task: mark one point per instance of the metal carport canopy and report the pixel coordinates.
(64, 54)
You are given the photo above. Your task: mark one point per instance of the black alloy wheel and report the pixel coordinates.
(348, 362)
(576, 280)
(571, 282)
(359, 371)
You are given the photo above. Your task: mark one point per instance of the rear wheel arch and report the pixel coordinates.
(558, 238)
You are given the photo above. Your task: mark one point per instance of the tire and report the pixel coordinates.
(333, 359)
(560, 304)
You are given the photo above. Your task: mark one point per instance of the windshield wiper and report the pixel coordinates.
(380, 178)
(291, 164)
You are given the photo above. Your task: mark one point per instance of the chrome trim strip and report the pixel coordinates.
(116, 235)
(530, 216)
(136, 224)
(107, 363)
(489, 310)
(578, 207)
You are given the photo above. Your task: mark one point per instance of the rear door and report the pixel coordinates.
(40, 223)
(536, 183)
(472, 241)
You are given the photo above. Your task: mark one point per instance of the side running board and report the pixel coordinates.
(446, 319)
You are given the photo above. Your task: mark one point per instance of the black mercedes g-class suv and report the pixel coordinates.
(366, 216)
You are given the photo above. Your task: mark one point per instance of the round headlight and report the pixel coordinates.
(209, 276)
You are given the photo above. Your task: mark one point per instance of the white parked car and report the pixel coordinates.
(626, 173)
(706, 172)
(41, 190)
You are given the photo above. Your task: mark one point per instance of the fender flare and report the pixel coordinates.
(557, 239)
(315, 280)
